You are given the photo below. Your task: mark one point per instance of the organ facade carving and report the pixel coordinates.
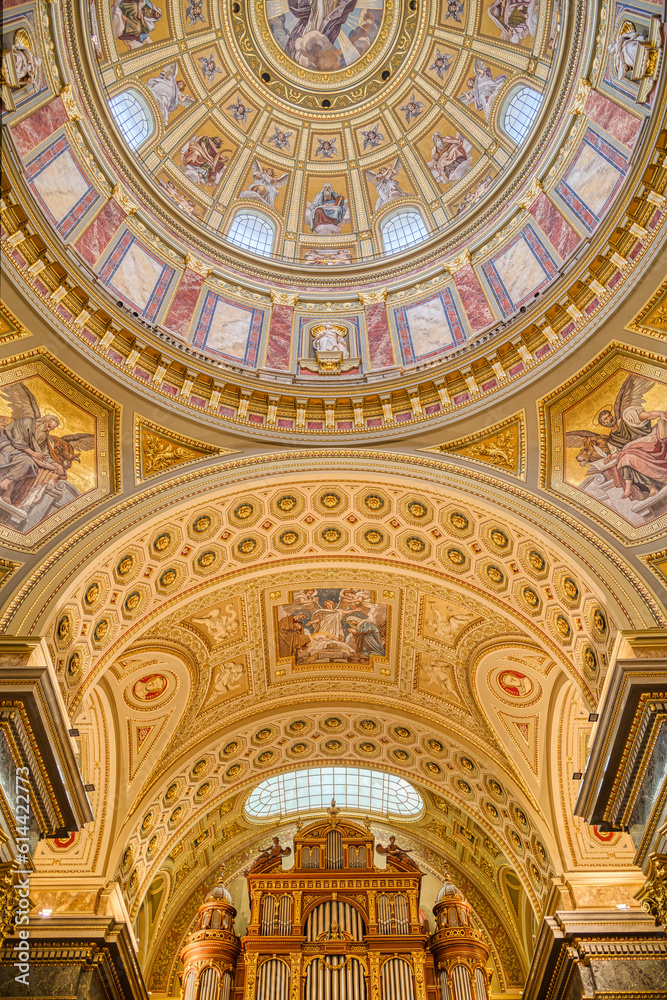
(335, 926)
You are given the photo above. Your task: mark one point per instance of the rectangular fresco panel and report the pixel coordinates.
(60, 186)
(428, 327)
(607, 443)
(330, 626)
(229, 329)
(589, 186)
(519, 270)
(137, 275)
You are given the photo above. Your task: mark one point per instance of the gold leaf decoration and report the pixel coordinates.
(502, 446)
(158, 450)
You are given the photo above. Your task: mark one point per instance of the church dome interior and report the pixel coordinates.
(333, 499)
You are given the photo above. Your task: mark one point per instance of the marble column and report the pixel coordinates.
(183, 306)
(378, 337)
(279, 340)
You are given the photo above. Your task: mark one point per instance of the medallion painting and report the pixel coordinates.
(322, 34)
(331, 625)
(56, 450)
(608, 432)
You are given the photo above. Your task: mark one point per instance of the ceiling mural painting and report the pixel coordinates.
(607, 431)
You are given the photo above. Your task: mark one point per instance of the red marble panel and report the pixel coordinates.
(96, 237)
(39, 126)
(471, 295)
(183, 307)
(380, 351)
(557, 230)
(617, 121)
(280, 337)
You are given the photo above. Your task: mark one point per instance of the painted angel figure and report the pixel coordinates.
(169, 92)
(385, 183)
(265, 185)
(441, 64)
(373, 137)
(454, 10)
(482, 88)
(634, 451)
(326, 148)
(33, 461)
(240, 111)
(209, 67)
(194, 12)
(413, 108)
(134, 20)
(280, 139)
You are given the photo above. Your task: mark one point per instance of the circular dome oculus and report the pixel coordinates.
(355, 789)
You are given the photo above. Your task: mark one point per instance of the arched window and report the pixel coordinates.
(253, 232)
(402, 230)
(133, 117)
(354, 788)
(520, 112)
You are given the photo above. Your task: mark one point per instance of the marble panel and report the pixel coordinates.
(228, 329)
(183, 307)
(429, 327)
(620, 123)
(380, 351)
(280, 337)
(476, 307)
(39, 126)
(137, 275)
(100, 232)
(592, 180)
(519, 270)
(61, 187)
(558, 231)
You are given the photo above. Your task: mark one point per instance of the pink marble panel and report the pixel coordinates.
(470, 292)
(185, 300)
(100, 231)
(557, 230)
(39, 126)
(380, 350)
(617, 121)
(280, 337)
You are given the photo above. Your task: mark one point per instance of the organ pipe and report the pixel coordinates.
(336, 977)
(397, 980)
(320, 920)
(273, 981)
(208, 984)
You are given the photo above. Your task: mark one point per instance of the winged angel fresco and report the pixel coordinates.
(34, 461)
(629, 461)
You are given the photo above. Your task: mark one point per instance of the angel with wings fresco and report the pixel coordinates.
(33, 461)
(386, 185)
(633, 452)
(265, 186)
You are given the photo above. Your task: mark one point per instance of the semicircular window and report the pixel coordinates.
(131, 117)
(355, 789)
(402, 230)
(521, 112)
(252, 232)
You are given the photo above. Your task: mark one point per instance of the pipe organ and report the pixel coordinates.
(335, 926)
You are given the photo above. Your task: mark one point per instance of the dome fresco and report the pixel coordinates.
(326, 220)
(325, 119)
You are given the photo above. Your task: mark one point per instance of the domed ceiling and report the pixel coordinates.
(349, 108)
